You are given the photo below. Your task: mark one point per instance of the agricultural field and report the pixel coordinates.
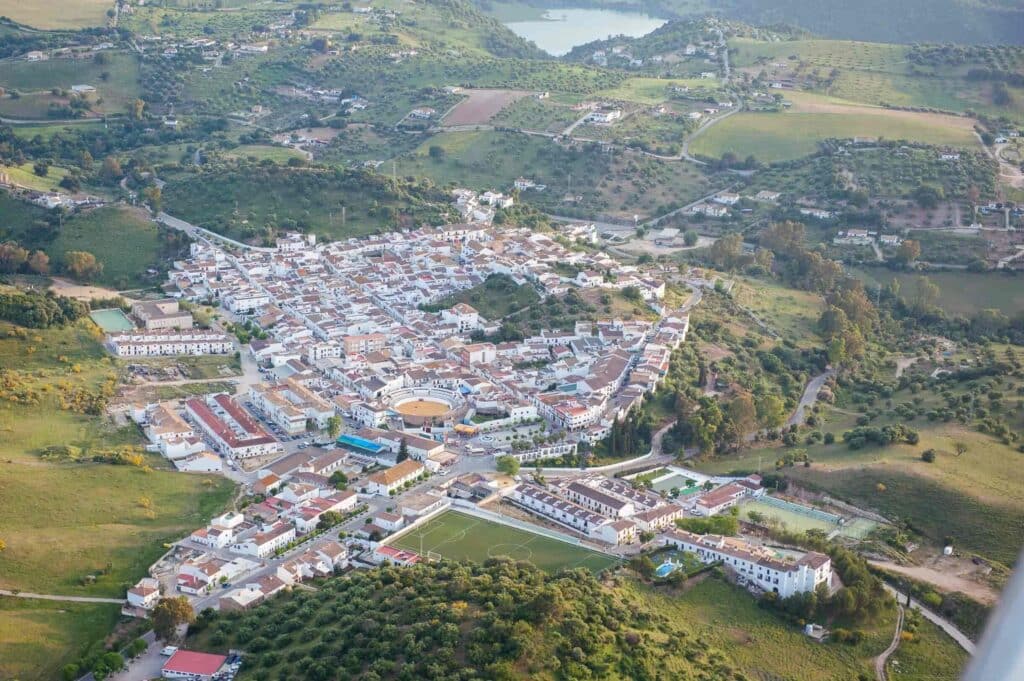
(960, 293)
(795, 133)
(25, 176)
(47, 131)
(73, 14)
(480, 106)
(114, 75)
(790, 312)
(262, 152)
(877, 74)
(456, 536)
(537, 115)
(648, 91)
(37, 638)
(125, 240)
(616, 186)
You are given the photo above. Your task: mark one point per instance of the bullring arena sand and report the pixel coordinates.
(424, 407)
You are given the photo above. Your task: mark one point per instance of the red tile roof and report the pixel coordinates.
(188, 662)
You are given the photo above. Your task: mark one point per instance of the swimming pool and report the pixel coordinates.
(665, 569)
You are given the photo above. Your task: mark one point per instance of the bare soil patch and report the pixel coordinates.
(481, 105)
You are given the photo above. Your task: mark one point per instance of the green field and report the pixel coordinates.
(42, 14)
(37, 638)
(930, 655)
(729, 622)
(116, 81)
(771, 137)
(24, 176)
(962, 293)
(457, 536)
(656, 90)
(124, 239)
(82, 529)
(612, 185)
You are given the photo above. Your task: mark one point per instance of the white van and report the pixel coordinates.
(169, 650)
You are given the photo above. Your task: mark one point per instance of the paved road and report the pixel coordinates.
(67, 599)
(197, 232)
(810, 397)
(962, 640)
(887, 653)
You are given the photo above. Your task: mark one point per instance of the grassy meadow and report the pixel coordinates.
(789, 135)
(73, 14)
(116, 81)
(37, 638)
(83, 529)
(124, 239)
(962, 293)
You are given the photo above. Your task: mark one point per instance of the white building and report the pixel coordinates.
(756, 564)
(264, 544)
(383, 483)
(161, 343)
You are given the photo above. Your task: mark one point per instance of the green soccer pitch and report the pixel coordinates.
(456, 536)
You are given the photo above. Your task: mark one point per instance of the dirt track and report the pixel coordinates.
(982, 593)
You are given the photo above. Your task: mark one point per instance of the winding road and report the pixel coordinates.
(810, 397)
(881, 660)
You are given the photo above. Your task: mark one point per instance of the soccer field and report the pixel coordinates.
(457, 536)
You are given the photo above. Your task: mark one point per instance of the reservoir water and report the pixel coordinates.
(562, 29)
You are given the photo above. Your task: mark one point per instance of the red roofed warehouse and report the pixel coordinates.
(185, 664)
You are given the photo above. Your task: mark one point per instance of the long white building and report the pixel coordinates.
(757, 564)
(169, 342)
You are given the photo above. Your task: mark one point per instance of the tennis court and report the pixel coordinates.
(791, 519)
(112, 320)
(457, 536)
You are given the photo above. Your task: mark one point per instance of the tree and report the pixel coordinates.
(743, 413)
(928, 456)
(334, 427)
(691, 237)
(436, 152)
(908, 251)
(403, 451)
(39, 262)
(960, 447)
(154, 197)
(771, 411)
(928, 196)
(12, 257)
(82, 265)
(111, 170)
(339, 479)
(926, 295)
(508, 465)
(725, 252)
(137, 109)
(169, 614)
